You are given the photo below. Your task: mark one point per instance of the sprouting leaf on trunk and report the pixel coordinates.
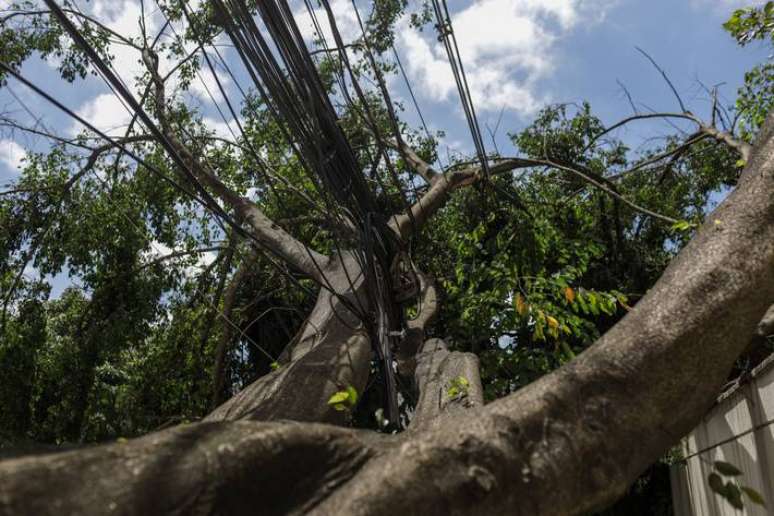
(682, 226)
(458, 387)
(344, 400)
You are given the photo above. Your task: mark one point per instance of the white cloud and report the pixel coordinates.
(11, 154)
(105, 112)
(220, 128)
(158, 250)
(727, 4)
(343, 13)
(506, 46)
(205, 85)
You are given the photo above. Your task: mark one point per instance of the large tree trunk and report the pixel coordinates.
(566, 444)
(332, 351)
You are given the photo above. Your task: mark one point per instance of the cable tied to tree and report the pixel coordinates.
(288, 82)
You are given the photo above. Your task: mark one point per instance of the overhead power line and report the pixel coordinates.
(449, 39)
(288, 82)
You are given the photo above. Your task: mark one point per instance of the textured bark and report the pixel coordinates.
(573, 441)
(242, 467)
(766, 326)
(437, 371)
(331, 352)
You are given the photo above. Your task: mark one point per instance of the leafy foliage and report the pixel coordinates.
(731, 490)
(345, 399)
(756, 97)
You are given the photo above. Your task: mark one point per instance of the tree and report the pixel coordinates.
(569, 442)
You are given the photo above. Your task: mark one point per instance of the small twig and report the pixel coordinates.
(666, 78)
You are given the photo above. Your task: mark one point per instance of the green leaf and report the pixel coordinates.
(582, 302)
(754, 496)
(458, 387)
(274, 366)
(727, 469)
(716, 483)
(593, 303)
(338, 397)
(352, 392)
(733, 495)
(344, 400)
(682, 225)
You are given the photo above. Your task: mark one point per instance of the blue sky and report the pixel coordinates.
(519, 55)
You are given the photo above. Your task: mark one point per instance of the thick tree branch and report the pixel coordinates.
(448, 382)
(265, 231)
(742, 147)
(592, 426)
(419, 165)
(430, 202)
(331, 352)
(203, 468)
(415, 328)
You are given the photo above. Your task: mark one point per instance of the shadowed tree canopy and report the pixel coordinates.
(309, 313)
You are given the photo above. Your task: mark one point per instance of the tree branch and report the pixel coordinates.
(742, 147)
(592, 426)
(443, 184)
(419, 165)
(449, 382)
(292, 251)
(416, 328)
(227, 335)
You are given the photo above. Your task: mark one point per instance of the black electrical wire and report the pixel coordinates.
(126, 150)
(447, 36)
(258, 160)
(411, 91)
(287, 79)
(361, 312)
